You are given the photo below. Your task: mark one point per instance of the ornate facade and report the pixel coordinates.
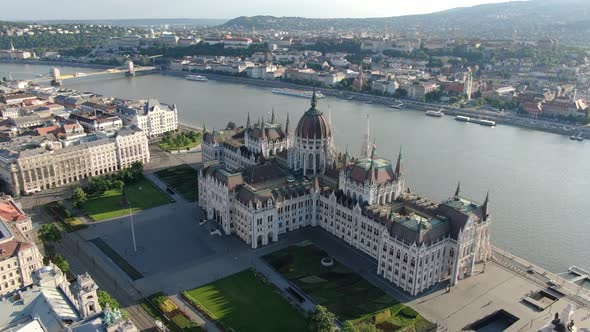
(415, 241)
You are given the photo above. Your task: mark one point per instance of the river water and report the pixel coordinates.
(539, 183)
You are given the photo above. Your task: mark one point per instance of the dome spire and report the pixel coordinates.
(248, 121)
(272, 117)
(313, 110)
(458, 190)
(287, 129)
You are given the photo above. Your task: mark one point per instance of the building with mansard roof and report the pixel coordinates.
(260, 181)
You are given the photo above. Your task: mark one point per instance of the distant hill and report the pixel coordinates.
(196, 22)
(566, 20)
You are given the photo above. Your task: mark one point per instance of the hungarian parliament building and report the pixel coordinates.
(263, 180)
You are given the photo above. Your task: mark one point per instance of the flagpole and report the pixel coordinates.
(132, 228)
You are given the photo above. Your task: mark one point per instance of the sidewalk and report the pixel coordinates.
(193, 314)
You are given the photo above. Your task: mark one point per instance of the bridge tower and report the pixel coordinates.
(55, 74)
(130, 68)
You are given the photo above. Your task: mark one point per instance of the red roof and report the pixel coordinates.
(10, 212)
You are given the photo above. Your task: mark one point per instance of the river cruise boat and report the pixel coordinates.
(436, 114)
(462, 118)
(484, 122)
(197, 78)
(297, 93)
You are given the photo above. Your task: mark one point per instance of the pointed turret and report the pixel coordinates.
(287, 129)
(484, 207)
(316, 183)
(366, 143)
(204, 129)
(458, 190)
(346, 157)
(248, 121)
(398, 165)
(272, 117)
(262, 132)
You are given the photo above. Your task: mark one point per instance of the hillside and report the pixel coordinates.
(566, 20)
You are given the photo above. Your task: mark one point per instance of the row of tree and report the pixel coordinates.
(98, 185)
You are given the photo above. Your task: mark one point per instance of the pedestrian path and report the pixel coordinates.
(193, 314)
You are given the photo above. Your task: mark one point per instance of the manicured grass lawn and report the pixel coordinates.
(342, 291)
(246, 304)
(174, 147)
(183, 179)
(142, 195)
(117, 259)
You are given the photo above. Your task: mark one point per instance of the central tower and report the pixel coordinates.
(313, 149)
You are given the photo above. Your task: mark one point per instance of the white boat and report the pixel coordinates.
(484, 122)
(298, 93)
(197, 78)
(577, 137)
(461, 118)
(437, 114)
(397, 106)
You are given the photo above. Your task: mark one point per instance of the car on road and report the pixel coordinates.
(552, 283)
(530, 271)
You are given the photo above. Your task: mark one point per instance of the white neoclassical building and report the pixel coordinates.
(415, 241)
(150, 116)
(30, 164)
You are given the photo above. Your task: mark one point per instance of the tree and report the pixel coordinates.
(322, 320)
(61, 263)
(104, 298)
(79, 197)
(49, 233)
(400, 93)
(118, 184)
(137, 168)
(348, 326)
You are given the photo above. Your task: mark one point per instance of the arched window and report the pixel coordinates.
(317, 162)
(310, 161)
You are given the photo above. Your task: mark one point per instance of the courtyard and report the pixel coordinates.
(245, 302)
(341, 290)
(142, 195)
(183, 179)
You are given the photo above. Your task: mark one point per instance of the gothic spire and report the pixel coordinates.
(204, 129)
(366, 143)
(248, 121)
(272, 117)
(398, 166)
(458, 190)
(484, 207)
(287, 129)
(262, 132)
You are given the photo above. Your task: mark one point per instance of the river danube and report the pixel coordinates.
(539, 183)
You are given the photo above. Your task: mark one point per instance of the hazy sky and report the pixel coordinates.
(117, 9)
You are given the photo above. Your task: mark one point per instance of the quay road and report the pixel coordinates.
(575, 293)
(507, 118)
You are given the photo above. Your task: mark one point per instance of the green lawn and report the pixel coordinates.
(341, 290)
(246, 304)
(183, 179)
(142, 195)
(174, 147)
